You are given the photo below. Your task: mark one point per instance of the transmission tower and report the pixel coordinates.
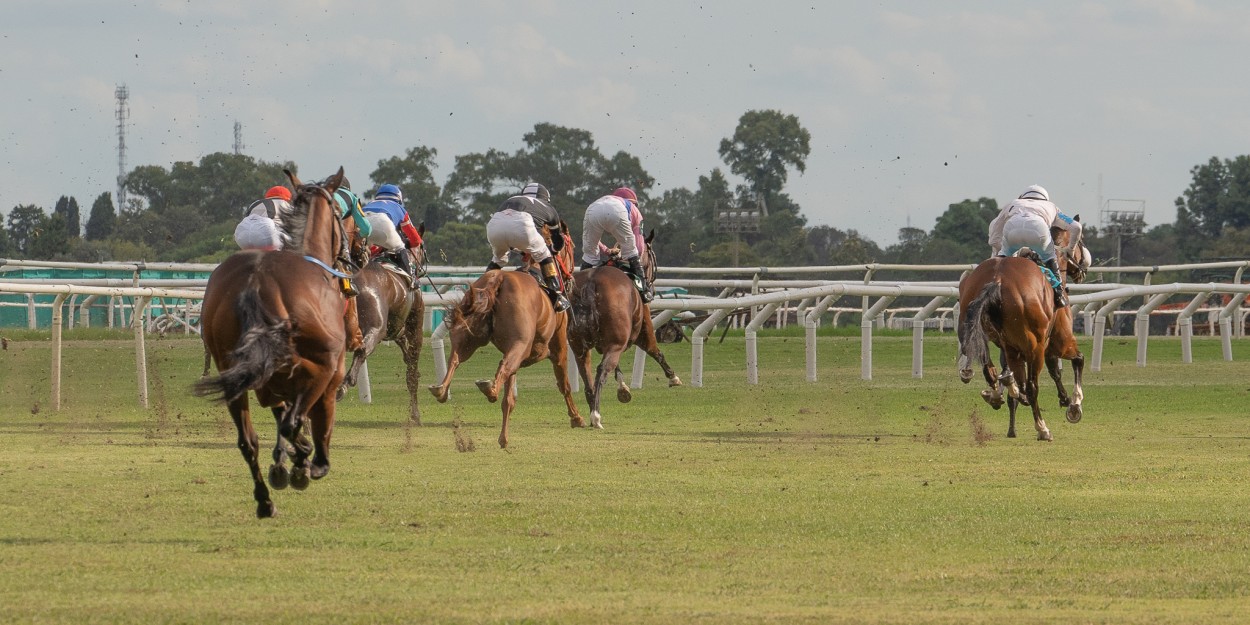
(238, 137)
(123, 115)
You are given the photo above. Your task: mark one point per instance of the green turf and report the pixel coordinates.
(895, 500)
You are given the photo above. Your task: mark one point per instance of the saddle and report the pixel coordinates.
(1029, 254)
(390, 264)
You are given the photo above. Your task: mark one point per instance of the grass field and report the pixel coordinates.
(897, 500)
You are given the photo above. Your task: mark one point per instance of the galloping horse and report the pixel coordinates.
(510, 310)
(390, 308)
(609, 316)
(273, 323)
(1009, 301)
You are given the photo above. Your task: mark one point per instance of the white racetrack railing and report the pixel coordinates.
(761, 296)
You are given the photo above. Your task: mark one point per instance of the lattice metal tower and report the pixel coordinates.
(123, 116)
(238, 137)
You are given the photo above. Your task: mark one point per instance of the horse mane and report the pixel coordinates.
(295, 220)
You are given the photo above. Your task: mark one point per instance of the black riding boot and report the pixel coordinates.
(586, 265)
(405, 262)
(1060, 300)
(640, 280)
(492, 265)
(558, 300)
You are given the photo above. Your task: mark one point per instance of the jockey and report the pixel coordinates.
(262, 220)
(1027, 222)
(618, 215)
(516, 225)
(391, 228)
(350, 204)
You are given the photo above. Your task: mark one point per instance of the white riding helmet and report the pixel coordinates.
(1035, 192)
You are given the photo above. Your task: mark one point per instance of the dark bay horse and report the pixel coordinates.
(609, 316)
(1008, 300)
(273, 324)
(511, 311)
(390, 308)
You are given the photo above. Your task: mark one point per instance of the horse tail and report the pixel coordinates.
(265, 342)
(584, 320)
(976, 343)
(478, 302)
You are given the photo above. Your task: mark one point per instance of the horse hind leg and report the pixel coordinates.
(279, 474)
(508, 403)
(508, 366)
(249, 446)
(652, 348)
(1075, 412)
(622, 389)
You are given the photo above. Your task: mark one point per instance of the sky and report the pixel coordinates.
(911, 106)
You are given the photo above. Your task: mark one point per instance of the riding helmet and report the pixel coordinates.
(278, 193)
(534, 189)
(390, 192)
(626, 193)
(1035, 192)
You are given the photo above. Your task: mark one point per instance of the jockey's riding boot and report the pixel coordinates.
(586, 265)
(351, 323)
(640, 280)
(1060, 300)
(558, 300)
(492, 265)
(405, 262)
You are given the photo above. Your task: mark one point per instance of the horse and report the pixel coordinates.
(1009, 301)
(273, 324)
(1063, 343)
(389, 307)
(510, 310)
(608, 315)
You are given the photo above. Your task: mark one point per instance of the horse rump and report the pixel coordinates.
(475, 308)
(264, 343)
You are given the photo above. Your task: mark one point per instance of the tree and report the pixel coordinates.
(961, 233)
(764, 145)
(103, 218)
(52, 241)
(459, 244)
(1218, 196)
(414, 173)
(7, 249)
(25, 224)
(67, 208)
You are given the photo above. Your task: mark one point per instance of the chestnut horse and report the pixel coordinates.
(390, 308)
(609, 316)
(510, 310)
(273, 323)
(1009, 301)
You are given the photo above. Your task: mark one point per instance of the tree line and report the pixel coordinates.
(187, 213)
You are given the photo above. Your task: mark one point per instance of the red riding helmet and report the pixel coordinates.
(279, 192)
(626, 193)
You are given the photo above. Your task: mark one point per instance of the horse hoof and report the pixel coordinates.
(319, 470)
(438, 394)
(676, 381)
(993, 399)
(623, 395)
(578, 421)
(299, 478)
(339, 394)
(266, 510)
(487, 390)
(279, 477)
(1074, 413)
(1044, 435)
(596, 420)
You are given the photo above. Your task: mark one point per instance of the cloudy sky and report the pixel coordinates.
(911, 105)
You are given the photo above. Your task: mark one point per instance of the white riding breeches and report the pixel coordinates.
(1024, 230)
(258, 232)
(384, 234)
(607, 217)
(511, 229)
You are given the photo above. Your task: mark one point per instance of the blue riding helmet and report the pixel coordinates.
(390, 192)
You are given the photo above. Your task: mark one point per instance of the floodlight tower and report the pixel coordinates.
(1124, 219)
(737, 220)
(238, 137)
(123, 115)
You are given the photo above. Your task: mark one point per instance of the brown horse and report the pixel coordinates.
(1010, 302)
(510, 310)
(390, 308)
(609, 316)
(273, 323)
